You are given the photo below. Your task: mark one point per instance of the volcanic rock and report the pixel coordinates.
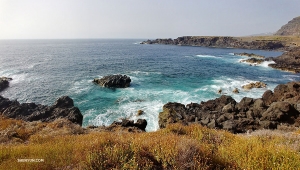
(288, 61)
(63, 108)
(274, 108)
(128, 125)
(252, 55)
(254, 85)
(114, 81)
(4, 82)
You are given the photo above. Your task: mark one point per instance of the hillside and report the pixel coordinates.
(292, 28)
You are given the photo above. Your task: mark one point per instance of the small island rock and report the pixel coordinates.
(114, 81)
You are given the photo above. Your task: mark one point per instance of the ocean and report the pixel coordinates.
(44, 70)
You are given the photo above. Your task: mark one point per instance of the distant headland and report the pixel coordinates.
(287, 39)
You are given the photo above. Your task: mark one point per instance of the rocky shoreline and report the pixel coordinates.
(272, 110)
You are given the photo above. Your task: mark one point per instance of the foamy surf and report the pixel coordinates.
(207, 56)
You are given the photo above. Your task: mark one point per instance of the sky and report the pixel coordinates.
(72, 19)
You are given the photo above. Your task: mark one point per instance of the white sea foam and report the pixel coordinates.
(228, 85)
(266, 63)
(294, 77)
(80, 86)
(207, 56)
(143, 73)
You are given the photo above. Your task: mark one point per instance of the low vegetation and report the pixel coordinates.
(175, 147)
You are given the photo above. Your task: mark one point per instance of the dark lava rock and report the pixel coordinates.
(272, 109)
(4, 82)
(288, 61)
(115, 81)
(128, 125)
(252, 55)
(63, 108)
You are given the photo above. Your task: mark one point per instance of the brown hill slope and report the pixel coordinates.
(291, 28)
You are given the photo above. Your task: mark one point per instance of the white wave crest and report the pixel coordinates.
(207, 56)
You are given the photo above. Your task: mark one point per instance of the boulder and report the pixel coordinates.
(114, 81)
(281, 112)
(235, 90)
(4, 82)
(139, 112)
(172, 113)
(254, 85)
(128, 125)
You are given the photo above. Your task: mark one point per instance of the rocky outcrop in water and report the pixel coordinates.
(4, 82)
(219, 41)
(62, 108)
(252, 55)
(274, 109)
(288, 61)
(114, 81)
(254, 85)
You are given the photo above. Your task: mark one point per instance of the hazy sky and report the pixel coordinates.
(39, 19)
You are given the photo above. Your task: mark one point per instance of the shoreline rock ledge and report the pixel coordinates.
(273, 110)
(113, 81)
(62, 108)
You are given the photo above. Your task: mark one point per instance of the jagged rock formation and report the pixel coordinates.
(253, 61)
(4, 82)
(115, 81)
(218, 41)
(292, 28)
(254, 85)
(288, 61)
(62, 108)
(272, 110)
(252, 55)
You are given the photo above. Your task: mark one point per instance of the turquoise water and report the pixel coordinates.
(43, 70)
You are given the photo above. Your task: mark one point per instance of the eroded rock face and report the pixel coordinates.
(288, 61)
(272, 109)
(114, 81)
(63, 108)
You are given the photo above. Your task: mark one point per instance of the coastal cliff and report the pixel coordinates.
(221, 42)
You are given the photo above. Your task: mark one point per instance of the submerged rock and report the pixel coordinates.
(115, 81)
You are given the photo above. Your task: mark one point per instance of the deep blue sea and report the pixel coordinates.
(44, 70)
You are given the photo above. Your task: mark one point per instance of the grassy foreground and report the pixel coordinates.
(176, 147)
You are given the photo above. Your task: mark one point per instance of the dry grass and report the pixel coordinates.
(176, 147)
(287, 40)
